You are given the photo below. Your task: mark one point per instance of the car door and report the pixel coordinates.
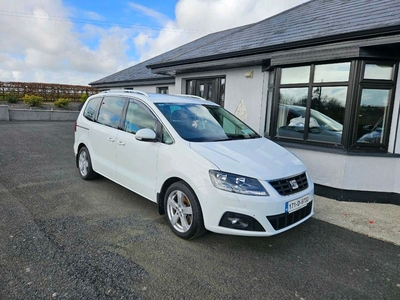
(137, 160)
(103, 136)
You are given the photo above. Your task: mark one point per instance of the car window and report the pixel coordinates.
(91, 108)
(138, 117)
(111, 111)
(204, 123)
(166, 138)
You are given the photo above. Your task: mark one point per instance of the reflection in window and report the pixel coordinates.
(91, 108)
(332, 72)
(292, 112)
(327, 114)
(372, 115)
(295, 75)
(374, 71)
(319, 102)
(138, 117)
(111, 111)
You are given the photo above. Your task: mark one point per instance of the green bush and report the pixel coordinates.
(11, 97)
(32, 100)
(84, 98)
(61, 102)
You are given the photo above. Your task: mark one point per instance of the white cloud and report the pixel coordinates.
(40, 42)
(157, 16)
(195, 18)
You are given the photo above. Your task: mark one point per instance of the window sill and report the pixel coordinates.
(334, 149)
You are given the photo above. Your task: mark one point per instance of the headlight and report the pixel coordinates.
(237, 184)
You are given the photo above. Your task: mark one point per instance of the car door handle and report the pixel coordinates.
(121, 143)
(111, 140)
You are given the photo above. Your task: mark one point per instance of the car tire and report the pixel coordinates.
(183, 211)
(85, 164)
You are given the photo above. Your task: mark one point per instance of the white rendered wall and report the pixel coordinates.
(359, 173)
(243, 96)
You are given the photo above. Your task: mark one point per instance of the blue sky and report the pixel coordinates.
(77, 42)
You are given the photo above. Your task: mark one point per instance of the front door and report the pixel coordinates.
(137, 160)
(212, 89)
(205, 89)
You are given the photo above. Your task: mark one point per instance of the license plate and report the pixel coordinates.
(296, 204)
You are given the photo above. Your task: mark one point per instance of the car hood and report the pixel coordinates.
(258, 158)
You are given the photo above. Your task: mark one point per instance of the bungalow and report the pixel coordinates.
(320, 79)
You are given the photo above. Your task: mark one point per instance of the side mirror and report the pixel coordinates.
(146, 135)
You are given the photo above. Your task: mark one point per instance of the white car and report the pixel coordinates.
(205, 169)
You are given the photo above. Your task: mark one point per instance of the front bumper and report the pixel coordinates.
(265, 216)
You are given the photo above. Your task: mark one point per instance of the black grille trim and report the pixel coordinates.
(283, 220)
(283, 187)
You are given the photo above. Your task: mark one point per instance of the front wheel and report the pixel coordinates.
(183, 211)
(85, 164)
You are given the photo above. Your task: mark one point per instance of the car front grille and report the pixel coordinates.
(290, 185)
(283, 220)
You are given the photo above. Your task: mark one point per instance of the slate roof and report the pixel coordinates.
(316, 20)
(141, 72)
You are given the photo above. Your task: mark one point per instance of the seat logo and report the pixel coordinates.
(293, 184)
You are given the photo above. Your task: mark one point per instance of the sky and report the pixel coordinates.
(80, 41)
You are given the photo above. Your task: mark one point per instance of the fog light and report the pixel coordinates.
(238, 223)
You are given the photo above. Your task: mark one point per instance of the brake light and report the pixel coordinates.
(75, 126)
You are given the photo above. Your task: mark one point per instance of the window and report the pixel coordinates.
(110, 111)
(343, 104)
(138, 117)
(201, 123)
(212, 89)
(162, 90)
(375, 105)
(91, 108)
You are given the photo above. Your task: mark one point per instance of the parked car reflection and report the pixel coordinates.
(291, 122)
(374, 133)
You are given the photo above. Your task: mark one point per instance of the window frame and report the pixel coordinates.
(217, 82)
(355, 85)
(162, 88)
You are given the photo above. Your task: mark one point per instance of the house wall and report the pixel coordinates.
(356, 173)
(153, 88)
(244, 96)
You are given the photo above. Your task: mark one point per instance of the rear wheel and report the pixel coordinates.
(85, 164)
(183, 211)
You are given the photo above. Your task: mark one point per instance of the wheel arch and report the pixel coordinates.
(163, 190)
(77, 153)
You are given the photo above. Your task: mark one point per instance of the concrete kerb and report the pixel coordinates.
(7, 114)
(4, 114)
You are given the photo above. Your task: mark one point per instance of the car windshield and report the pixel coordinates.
(205, 123)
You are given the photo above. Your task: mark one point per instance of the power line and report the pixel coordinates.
(89, 21)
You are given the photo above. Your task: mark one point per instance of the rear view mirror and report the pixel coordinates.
(146, 135)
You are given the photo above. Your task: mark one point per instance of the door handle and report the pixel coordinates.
(121, 143)
(111, 140)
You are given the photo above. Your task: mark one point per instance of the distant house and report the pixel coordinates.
(320, 79)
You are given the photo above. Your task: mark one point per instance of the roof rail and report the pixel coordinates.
(125, 91)
(190, 96)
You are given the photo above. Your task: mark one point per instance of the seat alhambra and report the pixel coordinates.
(205, 168)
